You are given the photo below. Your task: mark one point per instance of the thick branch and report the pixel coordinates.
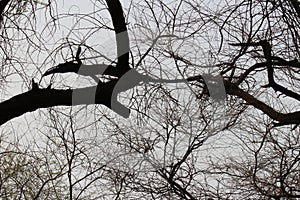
(45, 98)
(85, 70)
(3, 4)
(102, 94)
(267, 52)
(233, 89)
(282, 62)
(118, 20)
(283, 119)
(279, 62)
(268, 55)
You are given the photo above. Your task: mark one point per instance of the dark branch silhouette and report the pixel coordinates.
(270, 69)
(118, 20)
(3, 4)
(106, 93)
(43, 98)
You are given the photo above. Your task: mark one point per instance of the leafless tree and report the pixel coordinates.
(208, 91)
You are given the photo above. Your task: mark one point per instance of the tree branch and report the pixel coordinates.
(45, 98)
(296, 6)
(118, 20)
(269, 64)
(282, 118)
(3, 4)
(102, 94)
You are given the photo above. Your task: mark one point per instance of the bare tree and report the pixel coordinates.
(209, 94)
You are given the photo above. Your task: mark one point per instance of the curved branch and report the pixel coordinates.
(282, 118)
(269, 64)
(248, 71)
(118, 20)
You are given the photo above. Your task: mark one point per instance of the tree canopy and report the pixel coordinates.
(109, 99)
